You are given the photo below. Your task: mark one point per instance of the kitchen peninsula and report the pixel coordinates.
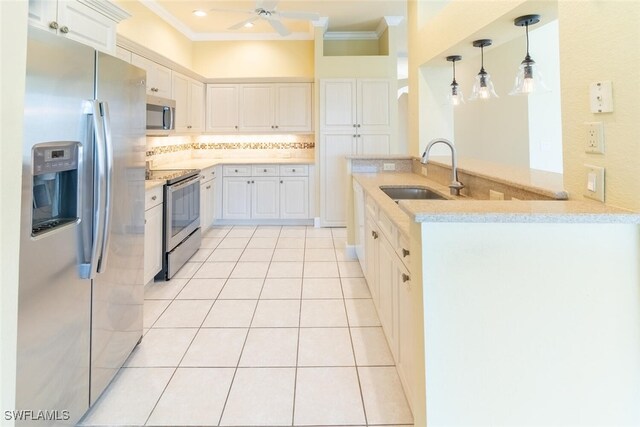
(503, 304)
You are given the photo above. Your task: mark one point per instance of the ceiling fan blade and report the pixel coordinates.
(242, 23)
(279, 27)
(306, 16)
(266, 4)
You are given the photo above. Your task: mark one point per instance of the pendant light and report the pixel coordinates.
(455, 94)
(528, 79)
(483, 86)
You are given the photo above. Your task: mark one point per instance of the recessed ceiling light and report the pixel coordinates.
(248, 25)
(199, 12)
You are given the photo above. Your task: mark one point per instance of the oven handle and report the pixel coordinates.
(180, 185)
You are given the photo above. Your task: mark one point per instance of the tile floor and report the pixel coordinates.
(265, 326)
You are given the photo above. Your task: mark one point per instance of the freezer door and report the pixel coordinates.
(54, 303)
(118, 286)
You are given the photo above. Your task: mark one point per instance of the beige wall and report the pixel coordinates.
(600, 40)
(13, 39)
(148, 29)
(245, 59)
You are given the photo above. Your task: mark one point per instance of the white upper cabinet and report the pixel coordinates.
(158, 76)
(93, 25)
(222, 108)
(259, 107)
(189, 97)
(256, 108)
(293, 107)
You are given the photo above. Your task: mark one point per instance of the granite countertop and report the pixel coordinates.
(152, 183)
(461, 209)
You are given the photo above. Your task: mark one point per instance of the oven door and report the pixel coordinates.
(182, 210)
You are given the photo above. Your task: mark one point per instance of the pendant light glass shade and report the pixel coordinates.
(482, 86)
(455, 95)
(528, 78)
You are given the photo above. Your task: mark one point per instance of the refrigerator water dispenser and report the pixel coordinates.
(55, 186)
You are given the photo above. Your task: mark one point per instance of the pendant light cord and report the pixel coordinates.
(482, 58)
(526, 26)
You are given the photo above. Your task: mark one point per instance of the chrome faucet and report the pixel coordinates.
(455, 186)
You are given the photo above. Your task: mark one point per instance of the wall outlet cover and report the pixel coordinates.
(594, 182)
(594, 138)
(389, 166)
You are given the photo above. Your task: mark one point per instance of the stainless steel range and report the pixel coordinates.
(181, 237)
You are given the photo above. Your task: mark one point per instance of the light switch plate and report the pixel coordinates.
(601, 97)
(594, 138)
(594, 182)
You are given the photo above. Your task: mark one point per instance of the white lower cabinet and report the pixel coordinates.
(265, 198)
(294, 197)
(207, 204)
(266, 192)
(236, 202)
(384, 257)
(153, 233)
(388, 298)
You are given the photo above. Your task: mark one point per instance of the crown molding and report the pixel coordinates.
(169, 18)
(108, 9)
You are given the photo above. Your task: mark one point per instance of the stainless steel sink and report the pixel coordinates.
(404, 193)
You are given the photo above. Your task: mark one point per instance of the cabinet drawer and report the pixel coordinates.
(387, 227)
(402, 248)
(294, 170)
(207, 174)
(153, 197)
(231, 170)
(265, 170)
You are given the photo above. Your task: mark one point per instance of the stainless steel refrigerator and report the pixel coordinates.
(82, 226)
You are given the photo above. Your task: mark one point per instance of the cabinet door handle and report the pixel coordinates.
(64, 29)
(236, 127)
(374, 234)
(358, 125)
(236, 170)
(281, 181)
(248, 182)
(355, 136)
(253, 182)
(277, 127)
(293, 170)
(265, 170)
(53, 25)
(354, 125)
(208, 187)
(405, 278)
(154, 197)
(405, 252)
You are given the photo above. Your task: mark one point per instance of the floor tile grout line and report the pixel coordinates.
(189, 346)
(255, 309)
(295, 377)
(353, 350)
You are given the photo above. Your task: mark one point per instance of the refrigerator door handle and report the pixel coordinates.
(108, 177)
(89, 268)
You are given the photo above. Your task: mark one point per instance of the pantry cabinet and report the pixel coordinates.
(355, 119)
(189, 96)
(153, 232)
(259, 107)
(158, 76)
(93, 24)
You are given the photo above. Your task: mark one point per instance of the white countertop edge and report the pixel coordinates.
(206, 163)
(381, 157)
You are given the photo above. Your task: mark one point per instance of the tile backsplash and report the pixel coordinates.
(165, 150)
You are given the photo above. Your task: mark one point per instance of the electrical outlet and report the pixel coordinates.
(594, 182)
(389, 166)
(496, 195)
(594, 138)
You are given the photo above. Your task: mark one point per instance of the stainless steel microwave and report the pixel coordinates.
(161, 114)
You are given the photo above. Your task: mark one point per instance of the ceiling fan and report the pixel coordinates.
(267, 10)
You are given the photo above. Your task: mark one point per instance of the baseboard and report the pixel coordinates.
(350, 252)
